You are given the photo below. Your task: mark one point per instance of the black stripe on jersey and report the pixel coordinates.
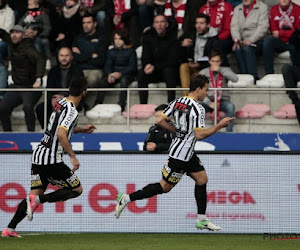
(191, 149)
(177, 142)
(197, 115)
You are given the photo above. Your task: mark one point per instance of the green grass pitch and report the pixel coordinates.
(144, 241)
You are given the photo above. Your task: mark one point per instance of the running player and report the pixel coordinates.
(47, 164)
(189, 125)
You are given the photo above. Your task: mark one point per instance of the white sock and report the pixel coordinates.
(37, 199)
(127, 199)
(202, 217)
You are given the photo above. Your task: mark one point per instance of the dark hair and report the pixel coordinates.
(198, 81)
(123, 33)
(89, 14)
(161, 107)
(160, 14)
(77, 86)
(206, 17)
(216, 52)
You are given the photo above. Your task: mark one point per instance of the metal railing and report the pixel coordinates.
(129, 90)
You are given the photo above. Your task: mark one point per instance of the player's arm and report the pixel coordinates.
(163, 121)
(203, 133)
(62, 135)
(85, 129)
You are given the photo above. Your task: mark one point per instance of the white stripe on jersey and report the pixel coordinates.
(187, 115)
(49, 151)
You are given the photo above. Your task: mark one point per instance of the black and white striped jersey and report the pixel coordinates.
(188, 115)
(49, 151)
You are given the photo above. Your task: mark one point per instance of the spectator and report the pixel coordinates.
(68, 24)
(7, 20)
(124, 14)
(220, 13)
(19, 7)
(37, 27)
(159, 57)
(218, 77)
(249, 26)
(59, 76)
(120, 67)
(284, 20)
(291, 73)
(234, 3)
(195, 48)
(97, 8)
(182, 14)
(28, 67)
(158, 139)
(89, 50)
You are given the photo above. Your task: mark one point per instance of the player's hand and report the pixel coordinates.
(151, 146)
(225, 121)
(75, 163)
(90, 128)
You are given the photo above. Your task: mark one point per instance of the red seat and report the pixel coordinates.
(253, 111)
(141, 111)
(287, 111)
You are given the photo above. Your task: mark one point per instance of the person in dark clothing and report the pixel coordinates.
(120, 67)
(196, 47)
(159, 58)
(59, 76)
(291, 73)
(28, 67)
(158, 139)
(120, 15)
(19, 7)
(89, 51)
(68, 24)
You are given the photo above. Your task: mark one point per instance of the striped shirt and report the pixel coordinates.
(178, 13)
(188, 115)
(49, 151)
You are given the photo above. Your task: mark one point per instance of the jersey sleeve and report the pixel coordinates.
(70, 117)
(199, 119)
(167, 113)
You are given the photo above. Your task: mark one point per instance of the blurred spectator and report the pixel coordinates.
(120, 67)
(124, 14)
(37, 27)
(195, 48)
(69, 23)
(59, 76)
(249, 26)
(97, 8)
(234, 3)
(159, 57)
(28, 67)
(158, 139)
(7, 20)
(89, 50)
(182, 14)
(218, 77)
(19, 7)
(291, 73)
(284, 20)
(220, 13)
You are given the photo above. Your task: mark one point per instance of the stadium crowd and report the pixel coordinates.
(99, 38)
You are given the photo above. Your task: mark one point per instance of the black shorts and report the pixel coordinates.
(58, 174)
(173, 171)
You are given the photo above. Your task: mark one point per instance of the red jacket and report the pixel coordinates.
(274, 18)
(220, 17)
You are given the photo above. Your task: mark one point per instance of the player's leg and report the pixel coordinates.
(61, 176)
(169, 179)
(38, 187)
(201, 179)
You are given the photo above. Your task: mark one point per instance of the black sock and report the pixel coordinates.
(201, 197)
(59, 195)
(146, 192)
(19, 215)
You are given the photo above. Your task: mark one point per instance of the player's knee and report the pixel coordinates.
(79, 190)
(202, 181)
(167, 188)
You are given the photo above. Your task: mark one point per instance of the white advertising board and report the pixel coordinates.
(247, 193)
